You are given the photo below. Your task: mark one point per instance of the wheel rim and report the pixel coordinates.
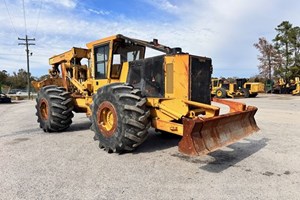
(219, 93)
(107, 119)
(44, 110)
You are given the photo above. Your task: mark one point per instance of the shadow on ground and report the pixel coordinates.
(73, 128)
(85, 125)
(240, 151)
(158, 142)
(221, 160)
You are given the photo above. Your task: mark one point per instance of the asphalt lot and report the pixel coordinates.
(69, 165)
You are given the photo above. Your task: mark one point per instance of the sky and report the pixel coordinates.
(222, 30)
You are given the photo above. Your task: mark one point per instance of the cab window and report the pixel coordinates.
(101, 59)
(124, 51)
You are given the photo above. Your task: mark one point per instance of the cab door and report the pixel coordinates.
(101, 65)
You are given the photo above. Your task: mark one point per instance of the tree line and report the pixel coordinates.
(280, 58)
(17, 80)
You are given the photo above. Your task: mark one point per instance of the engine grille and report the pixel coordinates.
(200, 79)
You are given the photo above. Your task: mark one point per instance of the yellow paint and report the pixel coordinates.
(107, 119)
(210, 111)
(297, 90)
(232, 91)
(158, 114)
(164, 111)
(231, 87)
(180, 76)
(49, 81)
(167, 126)
(68, 55)
(124, 72)
(219, 93)
(173, 108)
(80, 103)
(101, 41)
(78, 85)
(254, 87)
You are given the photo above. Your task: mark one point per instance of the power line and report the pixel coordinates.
(11, 54)
(38, 18)
(19, 54)
(24, 15)
(11, 22)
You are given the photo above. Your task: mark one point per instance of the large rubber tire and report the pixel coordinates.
(120, 118)
(221, 93)
(246, 92)
(54, 108)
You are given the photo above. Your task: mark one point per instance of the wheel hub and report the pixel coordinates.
(44, 109)
(107, 119)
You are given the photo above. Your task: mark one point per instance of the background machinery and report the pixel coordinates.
(269, 84)
(296, 88)
(123, 93)
(241, 88)
(249, 89)
(287, 87)
(223, 88)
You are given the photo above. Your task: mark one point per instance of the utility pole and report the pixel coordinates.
(26, 39)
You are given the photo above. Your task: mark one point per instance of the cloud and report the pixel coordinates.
(165, 5)
(223, 31)
(99, 12)
(65, 3)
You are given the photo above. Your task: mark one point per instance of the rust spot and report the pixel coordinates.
(204, 135)
(234, 106)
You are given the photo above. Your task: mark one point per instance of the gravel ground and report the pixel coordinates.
(69, 165)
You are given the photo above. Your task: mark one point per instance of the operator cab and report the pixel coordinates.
(145, 74)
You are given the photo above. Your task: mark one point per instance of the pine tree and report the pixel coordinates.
(284, 46)
(295, 43)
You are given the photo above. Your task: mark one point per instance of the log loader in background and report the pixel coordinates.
(124, 93)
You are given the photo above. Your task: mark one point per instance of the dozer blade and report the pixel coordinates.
(204, 135)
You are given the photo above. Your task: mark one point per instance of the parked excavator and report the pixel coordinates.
(124, 93)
